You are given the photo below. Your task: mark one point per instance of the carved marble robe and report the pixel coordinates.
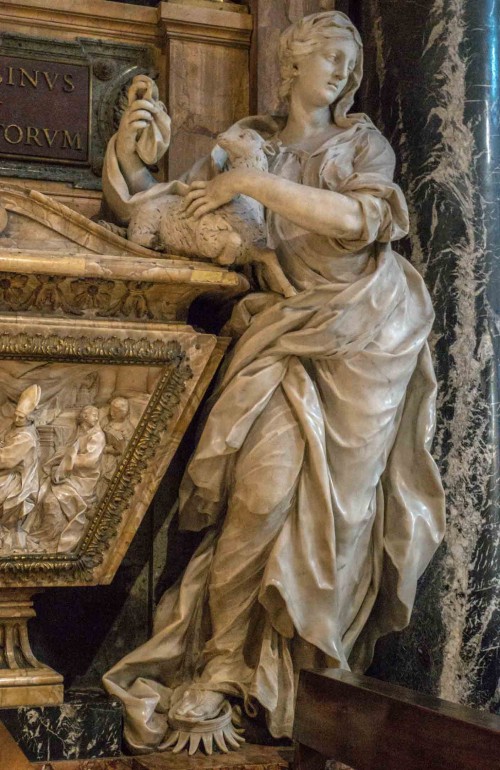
(19, 484)
(117, 434)
(313, 475)
(66, 496)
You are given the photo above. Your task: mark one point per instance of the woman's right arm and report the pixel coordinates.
(137, 117)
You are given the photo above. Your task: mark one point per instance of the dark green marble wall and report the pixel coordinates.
(431, 85)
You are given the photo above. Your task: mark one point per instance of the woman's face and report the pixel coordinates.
(322, 75)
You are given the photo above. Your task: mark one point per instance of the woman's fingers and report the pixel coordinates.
(193, 207)
(142, 87)
(202, 204)
(139, 115)
(204, 208)
(137, 124)
(201, 199)
(140, 81)
(143, 104)
(191, 196)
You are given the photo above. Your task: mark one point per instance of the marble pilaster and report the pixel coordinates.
(431, 85)
(208, 77)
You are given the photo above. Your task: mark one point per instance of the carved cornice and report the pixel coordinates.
(35, 347)
(73, 225)
(112, 21)
(204, 25)
(115, 281)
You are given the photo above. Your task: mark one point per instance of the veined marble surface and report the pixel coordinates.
(432, 86)
(88, 724)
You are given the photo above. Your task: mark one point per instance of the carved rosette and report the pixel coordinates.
(84, 297)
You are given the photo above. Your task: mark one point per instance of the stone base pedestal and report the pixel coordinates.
(249, 757)
(23, 679)
(87, 725)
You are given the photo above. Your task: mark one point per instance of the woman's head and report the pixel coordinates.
(315, 32)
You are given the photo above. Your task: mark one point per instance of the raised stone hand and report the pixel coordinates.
(144, 132)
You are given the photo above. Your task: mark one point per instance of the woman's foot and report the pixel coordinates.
(199, 704)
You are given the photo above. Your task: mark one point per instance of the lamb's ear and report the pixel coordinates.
(269, 149)
(218, 158)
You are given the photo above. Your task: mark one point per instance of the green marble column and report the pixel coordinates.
(432, 87)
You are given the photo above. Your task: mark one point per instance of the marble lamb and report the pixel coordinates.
(234, 234)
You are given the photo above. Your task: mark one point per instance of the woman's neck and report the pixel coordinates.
(307, 128)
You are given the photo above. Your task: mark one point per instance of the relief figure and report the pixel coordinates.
(56, 470)
(118, 430)
(68, 490)
(19, 478)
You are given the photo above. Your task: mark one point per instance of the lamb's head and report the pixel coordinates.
(244, 147)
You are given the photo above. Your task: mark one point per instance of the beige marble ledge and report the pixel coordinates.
(121, 268)
(249, 757)
(39, 215)
(67, 19)
(35, 208)
(54, 189)
(14, 324)
(47, 326)
(217, 5)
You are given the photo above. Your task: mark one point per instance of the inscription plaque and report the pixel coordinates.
(60, 103)
(45, 110)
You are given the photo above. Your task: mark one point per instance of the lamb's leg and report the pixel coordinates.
(144, 226)
(273, 273)
(231, 250)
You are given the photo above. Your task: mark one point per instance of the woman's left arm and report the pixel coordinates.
(321, 211)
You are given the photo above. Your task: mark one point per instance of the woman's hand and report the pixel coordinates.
(136, 117)
(143, 105)
(203, 197)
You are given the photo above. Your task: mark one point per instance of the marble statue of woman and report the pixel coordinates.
(312, 478)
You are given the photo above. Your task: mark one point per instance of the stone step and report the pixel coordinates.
(250, 757)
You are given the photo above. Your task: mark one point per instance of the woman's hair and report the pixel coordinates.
(311, 33)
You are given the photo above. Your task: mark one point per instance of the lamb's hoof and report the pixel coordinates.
(116, 229)
(188, 732)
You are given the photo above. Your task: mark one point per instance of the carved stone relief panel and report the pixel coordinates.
(88, 420)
